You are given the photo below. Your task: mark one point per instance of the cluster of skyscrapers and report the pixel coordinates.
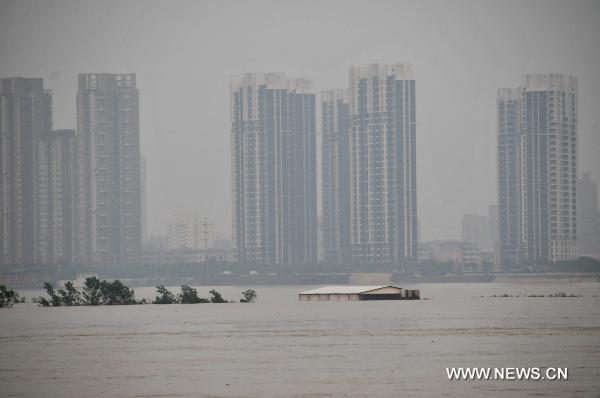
(74, 196)
(368, 168)
(70, 196)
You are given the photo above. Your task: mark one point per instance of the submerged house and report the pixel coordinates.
(359, 293)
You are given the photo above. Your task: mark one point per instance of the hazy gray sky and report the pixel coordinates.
(184, 52)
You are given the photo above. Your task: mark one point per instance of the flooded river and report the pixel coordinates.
(280, 347)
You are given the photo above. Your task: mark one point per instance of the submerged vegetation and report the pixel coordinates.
(559, 294)
(249, 296)
(95, 292)
(102, 292)
(189, 295)
(9, 297)
(215, 297)
(164, 296)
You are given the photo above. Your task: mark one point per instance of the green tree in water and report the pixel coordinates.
(216, 297)
(249, 296)
(54, 301)
(189, 295)
(69, 296)
(95, 292)
(92, 291)
(8, 297)
(116, 293)
(164, 296)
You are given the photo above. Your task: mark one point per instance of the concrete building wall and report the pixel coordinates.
(25, 115)
(537, 170)
(549, 112)
(383, 164)
(588, 231)
(335, 176)
(54, 197)
(107, 181)
(273, 143)
(510, 240)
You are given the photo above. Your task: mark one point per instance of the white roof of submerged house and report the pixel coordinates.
(347, 289)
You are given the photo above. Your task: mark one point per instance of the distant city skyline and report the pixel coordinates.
(463, 51)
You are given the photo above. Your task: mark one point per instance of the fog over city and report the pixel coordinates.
(288, 198)
(184, 53)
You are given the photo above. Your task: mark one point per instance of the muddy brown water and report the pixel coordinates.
(281, 347)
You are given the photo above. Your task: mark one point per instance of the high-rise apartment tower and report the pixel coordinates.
(25, 116)
(107, 174)
(273, 143)
(383, 164)
(335, 176)
(537, 170)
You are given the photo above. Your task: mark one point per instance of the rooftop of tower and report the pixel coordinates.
(548, 81)
(272, 80)
(403, 71)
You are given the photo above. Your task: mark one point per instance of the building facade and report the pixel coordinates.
(107, 172)
(54, 197)
(25, 115)
(383, 164)
(335, 176)
(550, 166)
(588, 231)
(273, 143)
(537, 170)
(143, 201)
(509, 177)
(186, 233)
(476, 230)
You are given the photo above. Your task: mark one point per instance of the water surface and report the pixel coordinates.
(280, 346)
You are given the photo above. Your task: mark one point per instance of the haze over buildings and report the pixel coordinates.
(476, 229)
(70, 197)
(460, 51)
(184, 117)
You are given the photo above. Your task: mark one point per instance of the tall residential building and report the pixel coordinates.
(493, 227)
(550, 166)
(25, 115)
(383, 164)
(537, 169)
(273, 143)
(107, 181)
(54, 197)
(588, 233)
(510, 242)
(335, 176)
(143, 200)
(188, 233)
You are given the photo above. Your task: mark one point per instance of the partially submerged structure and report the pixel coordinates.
(359, 293)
